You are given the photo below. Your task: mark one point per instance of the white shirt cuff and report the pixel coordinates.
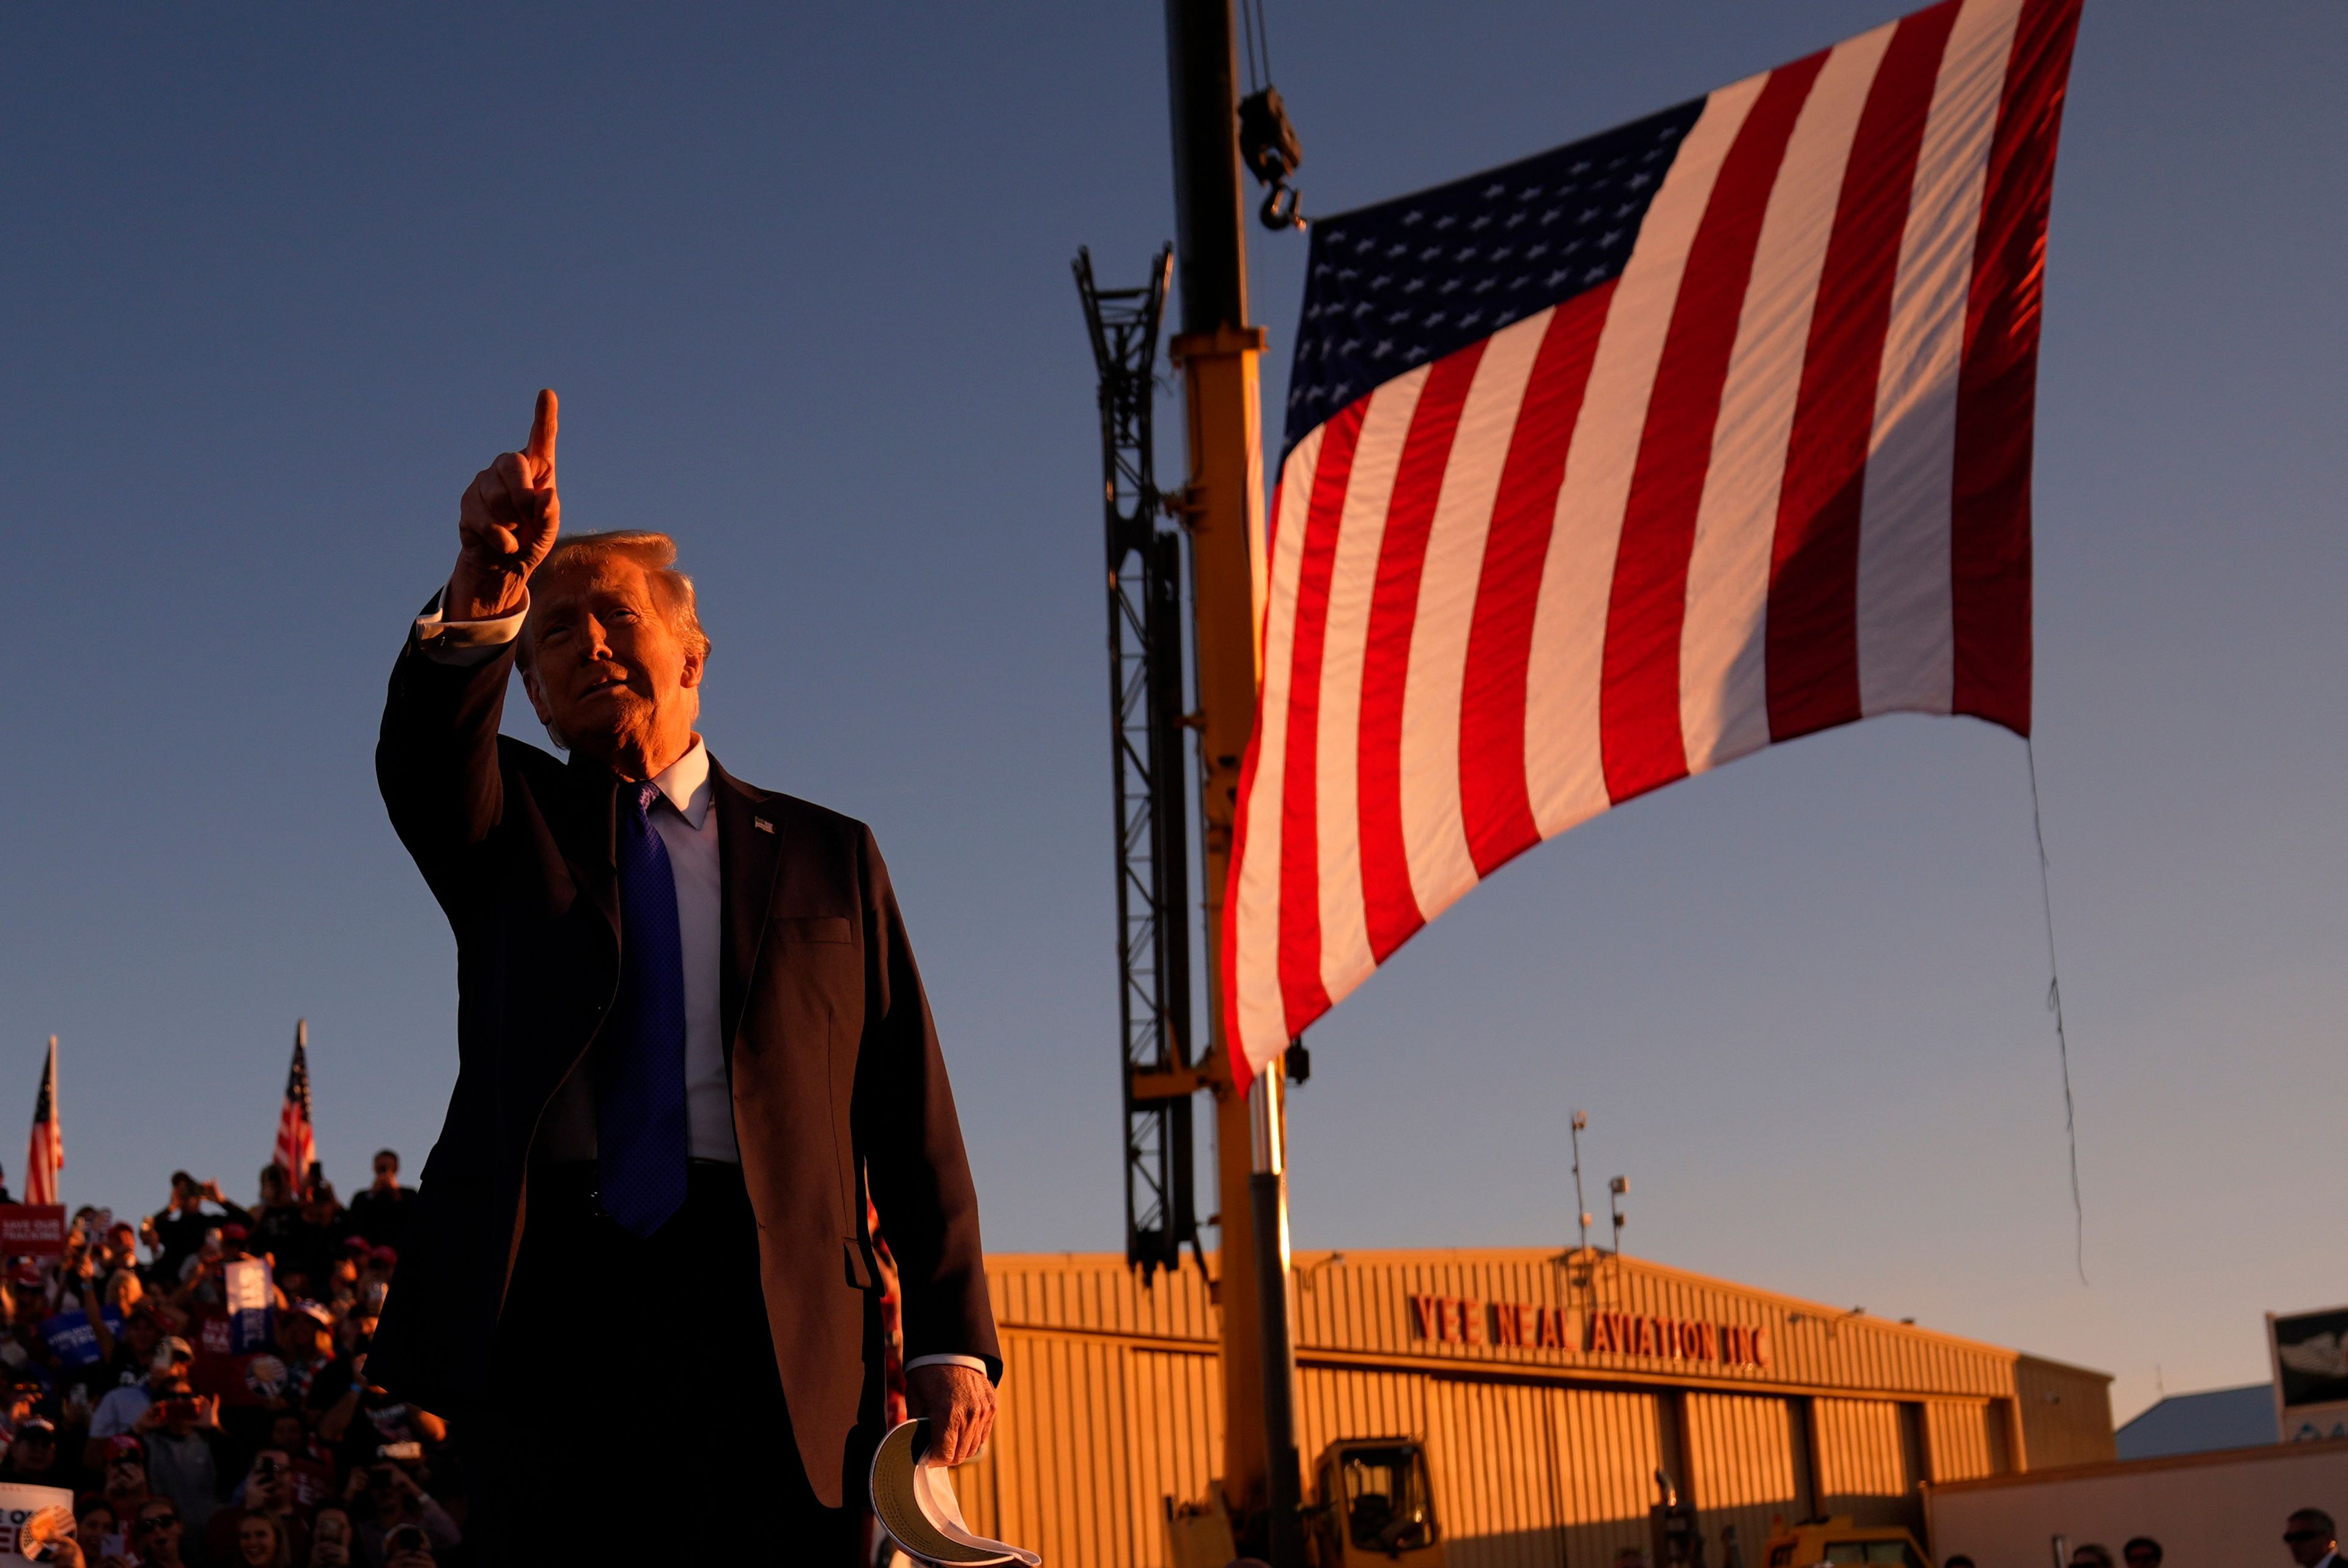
(464, 643)
(973, 1362)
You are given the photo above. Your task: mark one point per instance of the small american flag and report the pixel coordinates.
(1619, 463)
(297, 1140)
(47, 1154)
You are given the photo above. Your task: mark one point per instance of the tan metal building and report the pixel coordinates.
(1547, 1386)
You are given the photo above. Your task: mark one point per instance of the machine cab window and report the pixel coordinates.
(1386, 1498)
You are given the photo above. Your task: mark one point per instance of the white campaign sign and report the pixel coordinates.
(29, 1516)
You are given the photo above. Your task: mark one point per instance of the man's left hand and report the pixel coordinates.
(958, 1403)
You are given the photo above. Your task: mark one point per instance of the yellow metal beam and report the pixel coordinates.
(1223, 510)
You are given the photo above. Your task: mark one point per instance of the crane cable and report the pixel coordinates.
(1258, 40)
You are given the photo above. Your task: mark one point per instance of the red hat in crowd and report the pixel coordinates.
(357, 1244)
(233, 1233)
(384, 1256)
(124, 1443)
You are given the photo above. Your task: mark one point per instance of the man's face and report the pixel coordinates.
(33, 1450)
(386, 1172)
(2142, 1556)
(2308, 1541)
(610, 673)
(124, 1471)
(158, 1522)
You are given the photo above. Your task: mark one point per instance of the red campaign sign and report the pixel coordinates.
(32, 1230)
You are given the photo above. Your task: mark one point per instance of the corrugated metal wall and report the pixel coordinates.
(1959, 1440)
(1744, 1464)
(1541, 1454)
(2067, 1414)
(1864, 1465)
(1607, 1443)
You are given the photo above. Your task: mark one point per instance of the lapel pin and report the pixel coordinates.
(762, 825)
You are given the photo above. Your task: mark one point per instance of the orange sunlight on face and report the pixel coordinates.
(611, 677)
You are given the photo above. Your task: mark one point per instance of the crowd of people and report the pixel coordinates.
(196, 1428)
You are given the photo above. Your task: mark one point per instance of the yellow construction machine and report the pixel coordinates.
(1840, 1542)
(1372, 1508)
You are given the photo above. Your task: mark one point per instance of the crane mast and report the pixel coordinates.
(1219, 512)
(1148, 763)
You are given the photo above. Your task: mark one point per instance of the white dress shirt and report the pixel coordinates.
(681, 815)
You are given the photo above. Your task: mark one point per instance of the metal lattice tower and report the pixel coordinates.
(1148, 731)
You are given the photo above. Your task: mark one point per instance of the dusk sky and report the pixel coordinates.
(280, 280)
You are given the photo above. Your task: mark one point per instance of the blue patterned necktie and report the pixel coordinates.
(640, 1126)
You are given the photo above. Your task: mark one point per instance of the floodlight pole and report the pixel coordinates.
(1580, 1206)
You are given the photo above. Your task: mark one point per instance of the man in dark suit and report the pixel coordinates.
(691, 1041)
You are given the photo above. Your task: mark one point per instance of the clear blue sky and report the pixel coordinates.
(279, 281)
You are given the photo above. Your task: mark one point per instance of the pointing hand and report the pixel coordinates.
(506, 524)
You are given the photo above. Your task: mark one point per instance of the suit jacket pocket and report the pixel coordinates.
(810, 928)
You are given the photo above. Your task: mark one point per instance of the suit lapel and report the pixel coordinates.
(749, 854)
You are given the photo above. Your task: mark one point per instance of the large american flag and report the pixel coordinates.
(297, 1136)
(46, 1153)
(1617, 464)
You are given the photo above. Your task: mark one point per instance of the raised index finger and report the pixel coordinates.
(542, 428)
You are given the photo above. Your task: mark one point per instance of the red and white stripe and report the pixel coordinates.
(45, 1154)
(1773, 478)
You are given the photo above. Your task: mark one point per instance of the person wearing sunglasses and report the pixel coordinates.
(2314, 1539)
(157, 1535)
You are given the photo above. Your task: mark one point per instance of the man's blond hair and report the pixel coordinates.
(655, 552)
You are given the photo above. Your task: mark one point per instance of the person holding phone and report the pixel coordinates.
(125, 1406)
(333, 1536)
(190, 1459)
(693, 1038)
(180, 1225)
(408, 1547)
(268, 1491)
(389, 1501)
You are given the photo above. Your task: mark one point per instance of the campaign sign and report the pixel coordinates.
(2310, 1351)
(72, 1339)
(31, 1517)
(247, 1297)
(32, 1230)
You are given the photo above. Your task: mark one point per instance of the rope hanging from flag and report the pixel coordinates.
(1624, 461)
